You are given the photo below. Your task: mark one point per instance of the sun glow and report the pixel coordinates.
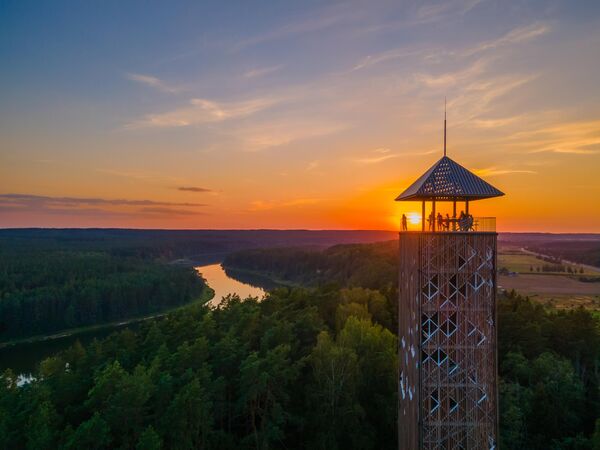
(414, 218)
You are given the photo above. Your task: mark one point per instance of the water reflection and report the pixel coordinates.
(224, 283)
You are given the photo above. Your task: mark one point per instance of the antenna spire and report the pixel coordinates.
(444, 126)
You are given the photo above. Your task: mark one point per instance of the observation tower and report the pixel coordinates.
(448, 396)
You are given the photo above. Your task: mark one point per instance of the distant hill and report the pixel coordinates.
(200, 246)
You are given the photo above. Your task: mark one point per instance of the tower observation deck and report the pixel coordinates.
(447, 316)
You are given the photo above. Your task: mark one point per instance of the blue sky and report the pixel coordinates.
(294, 114)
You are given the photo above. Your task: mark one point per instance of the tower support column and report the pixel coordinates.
(447, 341)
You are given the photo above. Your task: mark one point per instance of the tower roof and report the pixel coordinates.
(448, 180)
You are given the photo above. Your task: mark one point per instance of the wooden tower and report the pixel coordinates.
(447, 317)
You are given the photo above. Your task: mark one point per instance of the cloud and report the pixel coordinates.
(494, 171)
(434, 12)
(447, 79)
(260, 72)
(497, 123)
(202, 111)
(277, 133)
(193, 189)
(578, 138)
(477, 97)
(515, 36)
(170, 212)
(301, 202)
(426, 14)
(83, 206)
(313, 165)
(141, 175)
(384, 154)
(261, 205)
(379, 58)
(377, 159)
(325, 19)
(42, 201)
(153, 82)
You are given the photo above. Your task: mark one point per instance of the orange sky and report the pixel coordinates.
(314, 117)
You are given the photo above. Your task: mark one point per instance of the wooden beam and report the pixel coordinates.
(454, 215)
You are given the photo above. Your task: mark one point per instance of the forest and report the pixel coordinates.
(53, 280)
(308, 367)
(43, 291)
(548, 359)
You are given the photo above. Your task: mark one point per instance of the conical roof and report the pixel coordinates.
(448, 180)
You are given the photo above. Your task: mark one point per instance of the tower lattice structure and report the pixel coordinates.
(447, 318)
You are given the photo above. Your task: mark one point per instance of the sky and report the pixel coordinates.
(278, 114)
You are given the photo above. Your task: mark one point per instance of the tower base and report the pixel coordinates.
(447, 341)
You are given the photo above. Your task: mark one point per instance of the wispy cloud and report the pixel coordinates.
(426, 13)
(281, 132)
(193, 189)
(494, 171)
(498, 122)
(515, 36)
(434, 12)
(376, 156)
(313, 165)
(170, 211)
(261, 71)
(477, 95)
(141, 175)
(382, 57)
(40, 200)
(92, 206)
(201, 111)
(377, 159)
(321, 21)
(447, 79)
(578, 138)
(153, 82)
(262, 205)
(383, 154)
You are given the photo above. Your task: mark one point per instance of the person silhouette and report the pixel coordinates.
(462, 222)
(404, 223)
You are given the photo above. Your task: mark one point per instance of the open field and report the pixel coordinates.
(560, 289)
(517, 260)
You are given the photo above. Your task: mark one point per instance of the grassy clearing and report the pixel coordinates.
(559, 289)
(515, 260)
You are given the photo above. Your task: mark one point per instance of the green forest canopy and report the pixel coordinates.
(305, 368)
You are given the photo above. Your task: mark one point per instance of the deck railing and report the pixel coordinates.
(466, 225)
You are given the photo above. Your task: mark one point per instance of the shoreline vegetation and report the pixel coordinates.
(207, 295)
(269, 277)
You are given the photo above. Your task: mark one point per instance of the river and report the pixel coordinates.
(24, 358)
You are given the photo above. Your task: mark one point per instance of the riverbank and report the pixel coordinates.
(207, 295)
(270, 278)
